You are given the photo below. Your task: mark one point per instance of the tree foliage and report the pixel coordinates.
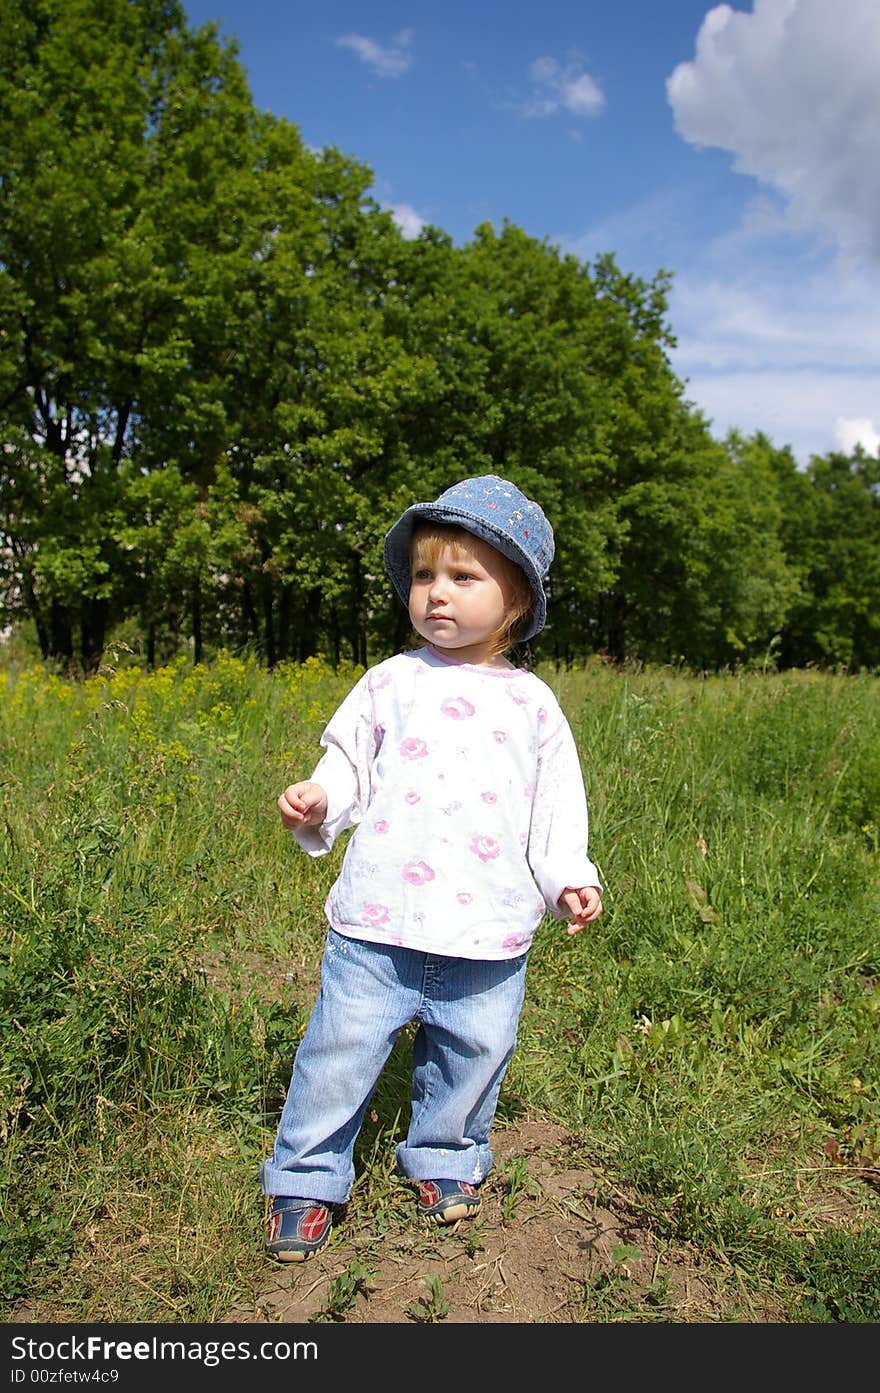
(224, 372)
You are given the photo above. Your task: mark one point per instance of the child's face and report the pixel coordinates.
(459, 600)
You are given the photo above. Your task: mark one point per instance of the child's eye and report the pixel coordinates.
(464, 575)
(422, 574)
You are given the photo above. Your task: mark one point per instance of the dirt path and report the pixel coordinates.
(544, 1248)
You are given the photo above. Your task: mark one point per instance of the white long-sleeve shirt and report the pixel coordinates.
(466, 793)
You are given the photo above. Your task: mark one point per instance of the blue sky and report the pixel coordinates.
(735, 146)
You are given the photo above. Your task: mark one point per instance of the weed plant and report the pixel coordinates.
(711, 1043)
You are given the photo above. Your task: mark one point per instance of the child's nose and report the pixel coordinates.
(437, 589)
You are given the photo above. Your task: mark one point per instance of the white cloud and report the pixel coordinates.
(385, 61)
(850, 432)
(408, 220)
(798, 407)
(792, 356)
(791, 91)
(580, 95)
(776, 330)
(773, 333)
(770, 335)
(751, 317)
(562, 88)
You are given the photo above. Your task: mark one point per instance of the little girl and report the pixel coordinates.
(462, 778)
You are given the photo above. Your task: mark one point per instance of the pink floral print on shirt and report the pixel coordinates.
(375, 915)
(417, 872)
(457, 707)
(411, 748)
(485, 847)
(514, 941)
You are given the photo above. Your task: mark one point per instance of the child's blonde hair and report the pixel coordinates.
(431, 539)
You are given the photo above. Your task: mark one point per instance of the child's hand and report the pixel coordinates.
(584, 905)
(302, 805)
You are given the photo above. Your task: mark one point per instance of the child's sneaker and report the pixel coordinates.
(297, 1228)
(447, 1201)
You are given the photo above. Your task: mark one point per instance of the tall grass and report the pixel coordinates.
(711, 1043)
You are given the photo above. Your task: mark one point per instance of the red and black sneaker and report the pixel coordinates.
(447, 1201)
(297, 1228)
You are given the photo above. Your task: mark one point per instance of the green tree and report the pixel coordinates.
(224, 373)
(125, 143)
(707, 578)
(320, 388)
(839, 622)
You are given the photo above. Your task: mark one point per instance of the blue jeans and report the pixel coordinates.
(467, 1013)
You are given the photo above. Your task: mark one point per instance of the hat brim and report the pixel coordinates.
(399, 539)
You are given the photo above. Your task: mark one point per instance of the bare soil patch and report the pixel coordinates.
(555, 1248)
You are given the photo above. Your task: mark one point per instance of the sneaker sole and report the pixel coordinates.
(454, 1213)
(295, 1255)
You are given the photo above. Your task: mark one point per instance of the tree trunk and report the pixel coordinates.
(197, 622)
(60, 633)
(250, 626)
(93, 629)
(285, 609)
(269, 622)
(309, 628)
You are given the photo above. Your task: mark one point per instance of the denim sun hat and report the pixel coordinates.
(496, 511)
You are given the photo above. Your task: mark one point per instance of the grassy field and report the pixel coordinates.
(712, 1041)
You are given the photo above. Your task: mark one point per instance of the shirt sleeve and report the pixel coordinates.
(559, 833)
(344, 770)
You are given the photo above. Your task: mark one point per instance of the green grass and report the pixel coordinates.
(712, 1042)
